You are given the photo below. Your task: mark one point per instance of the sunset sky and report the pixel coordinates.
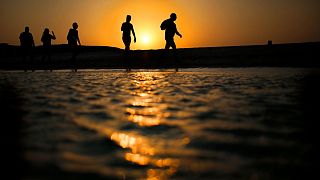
(201, 22)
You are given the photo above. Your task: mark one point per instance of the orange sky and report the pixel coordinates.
(201, 22)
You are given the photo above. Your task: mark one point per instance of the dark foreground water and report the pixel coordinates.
(244, 123)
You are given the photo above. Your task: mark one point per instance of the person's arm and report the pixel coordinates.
(21, 39)
(78, 39)
(177, 32)
(53, 36)
(122, 27)
(134, 35)
(32, 41)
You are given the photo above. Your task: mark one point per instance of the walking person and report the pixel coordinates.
(170, 31)
(126, 29)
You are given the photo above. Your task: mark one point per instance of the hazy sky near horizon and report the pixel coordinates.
(201, 22)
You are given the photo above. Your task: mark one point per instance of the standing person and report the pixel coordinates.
(46, 40)
(170, 30)
(26, 43)
(73, 35)
(73, 40)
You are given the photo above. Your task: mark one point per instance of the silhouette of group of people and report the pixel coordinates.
(27, 41)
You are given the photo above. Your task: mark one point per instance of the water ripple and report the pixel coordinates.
(216, 124)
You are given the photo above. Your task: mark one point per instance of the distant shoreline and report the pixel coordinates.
(103, 57)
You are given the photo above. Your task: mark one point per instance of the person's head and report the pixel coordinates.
(128, 19)
(46, 31)
(173, 16)
(75, 25)
(26, 29)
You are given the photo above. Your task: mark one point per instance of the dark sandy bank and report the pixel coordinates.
(100, 57)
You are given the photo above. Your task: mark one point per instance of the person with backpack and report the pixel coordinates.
(170, 31)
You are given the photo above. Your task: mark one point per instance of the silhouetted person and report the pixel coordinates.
(26, 43)
(46, 41)
(73, 36)
(73, 40)
(47, 37)
(170, 30)
(126, 29)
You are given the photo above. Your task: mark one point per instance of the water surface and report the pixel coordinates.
(241, 123)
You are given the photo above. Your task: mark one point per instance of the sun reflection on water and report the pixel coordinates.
(147, 109)
(136, 144)
(141, 153)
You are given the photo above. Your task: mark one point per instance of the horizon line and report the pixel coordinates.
(195, 47)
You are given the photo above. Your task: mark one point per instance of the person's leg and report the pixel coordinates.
(173, 45)
(49, 63)
(127, 42)
(23, 56)
(73, 63)
(128, 53)
(44, 54)
(127, 48)
(30, 54)
(167, 45)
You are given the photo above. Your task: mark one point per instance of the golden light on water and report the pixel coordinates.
(145, 108)
(138, 145)
(143, 111)
(143, 121)
(137, 158)
(142, 154)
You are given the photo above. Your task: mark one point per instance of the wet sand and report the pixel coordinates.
(99, 57)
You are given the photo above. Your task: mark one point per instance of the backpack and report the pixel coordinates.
(163, 25)
(69, 36)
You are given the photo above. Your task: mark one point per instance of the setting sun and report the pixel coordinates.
(145, 39)
(203, 23)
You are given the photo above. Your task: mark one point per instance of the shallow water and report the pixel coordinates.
(241, 123)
